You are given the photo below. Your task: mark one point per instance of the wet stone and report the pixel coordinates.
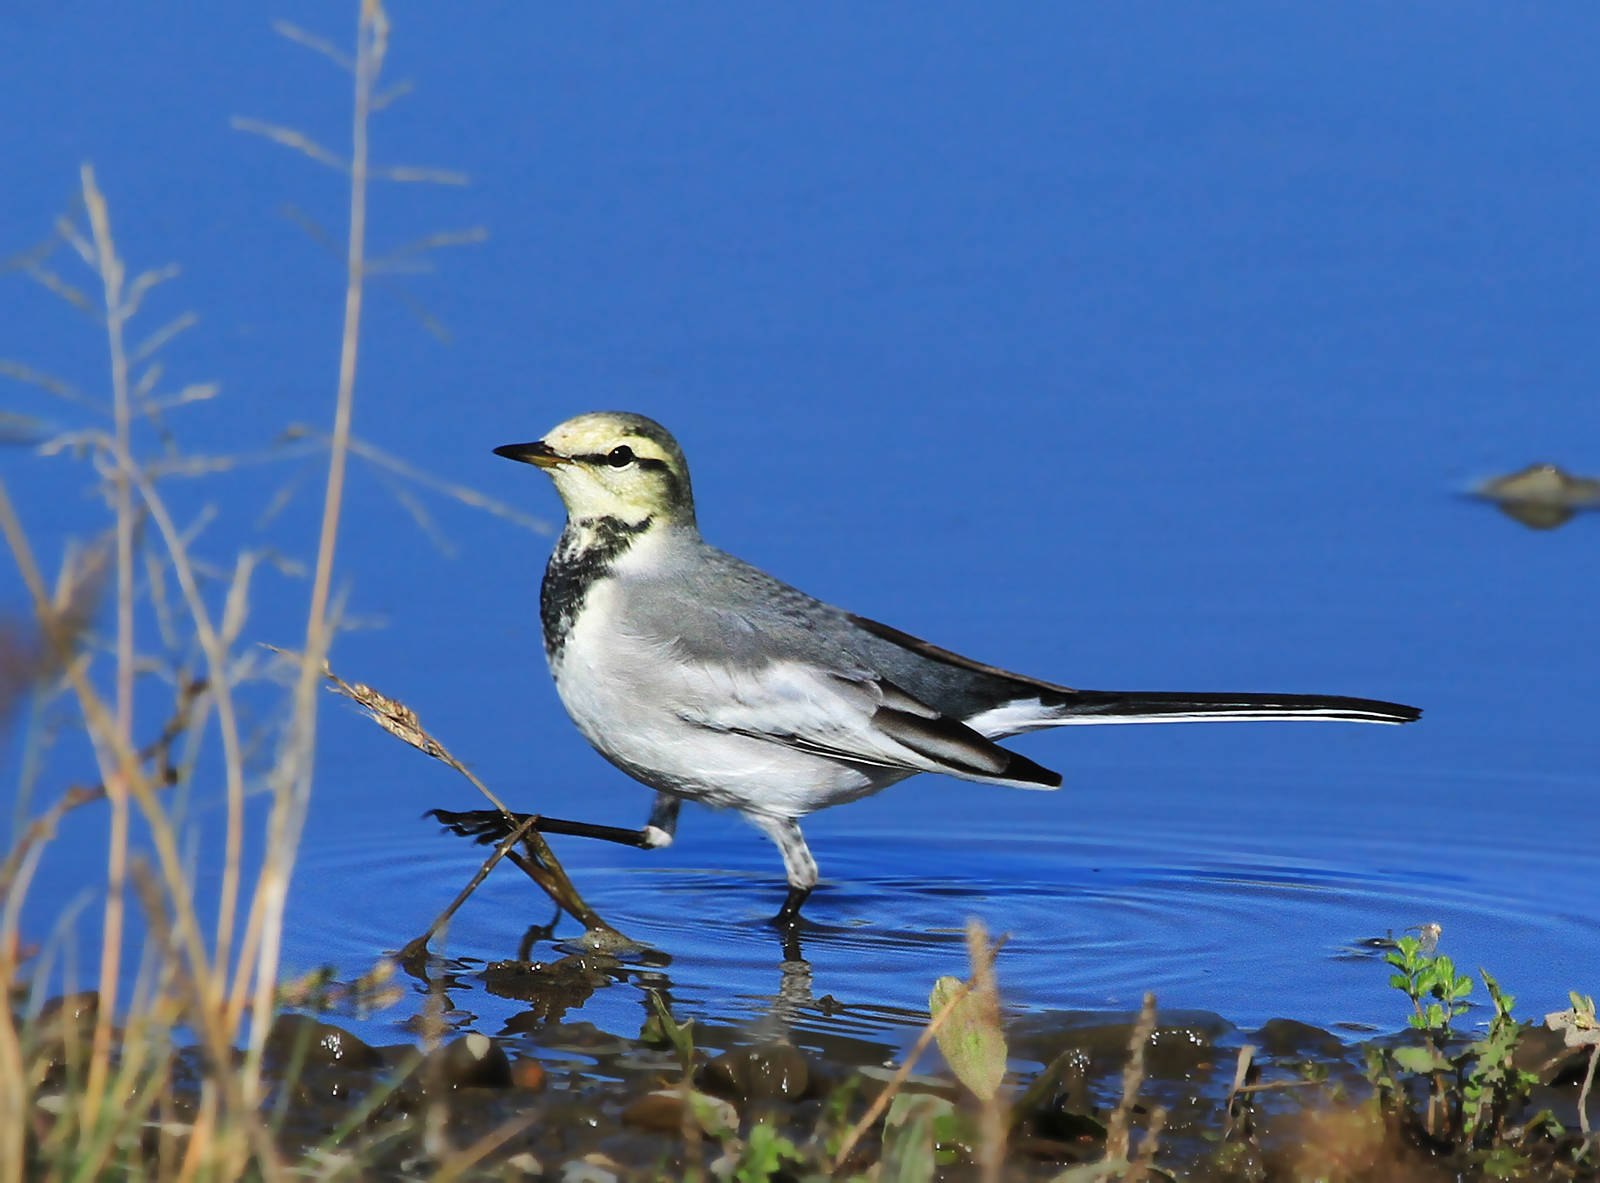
(771, 1072)
(75, 1010)
(1541, 496)
(1291, 1039)
(523, 1164)
(1182, 1040)
(1064, 1108)
(64, 1030)
(592, 1168)
(528, 1075)
(471, 1061)
(1546, 1054)
(552, 988)
(662, 1112)
(1178, 1052)
(318, 1044)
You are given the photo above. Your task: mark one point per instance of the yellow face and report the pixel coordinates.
(611, 464)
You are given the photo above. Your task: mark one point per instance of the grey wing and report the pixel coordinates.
(756, 657)
(785, 619)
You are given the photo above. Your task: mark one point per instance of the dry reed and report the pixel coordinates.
(89, 1093)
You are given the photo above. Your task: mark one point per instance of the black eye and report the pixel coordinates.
(620, 456)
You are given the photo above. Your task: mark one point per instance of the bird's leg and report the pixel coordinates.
(487, 826)
(789, 914)
(798, 865)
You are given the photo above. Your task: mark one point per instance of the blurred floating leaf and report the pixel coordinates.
(970, 1039)
(1541, 496)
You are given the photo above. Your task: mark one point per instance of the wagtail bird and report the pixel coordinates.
(709, 680)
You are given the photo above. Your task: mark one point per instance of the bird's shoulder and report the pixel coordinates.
(715, 607)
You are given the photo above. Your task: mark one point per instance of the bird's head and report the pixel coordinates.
(611, 464)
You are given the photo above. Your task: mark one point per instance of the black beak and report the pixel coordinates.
(538, 453)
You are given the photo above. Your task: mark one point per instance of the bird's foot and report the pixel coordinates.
(788, 916)
(788, 922)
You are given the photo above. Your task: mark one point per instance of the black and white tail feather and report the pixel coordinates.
(1149, 706)
(995, 703)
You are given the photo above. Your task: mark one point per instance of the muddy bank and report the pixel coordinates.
(552, 1095)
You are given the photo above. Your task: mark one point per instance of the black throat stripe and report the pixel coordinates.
(584, 553)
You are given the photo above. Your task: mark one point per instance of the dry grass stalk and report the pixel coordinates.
(111, 272)
(201, 982)
(896, 1082)
(124, 773)
(157, 754)
(1583, 1093)
(292, 776)
(540, 864)
(1118, 1142)
(992, 1121)
(925, 1040)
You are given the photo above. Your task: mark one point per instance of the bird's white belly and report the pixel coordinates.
(628, 697)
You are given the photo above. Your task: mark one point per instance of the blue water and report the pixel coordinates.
(1125, 345)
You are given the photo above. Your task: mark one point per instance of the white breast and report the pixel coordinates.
(630, 696)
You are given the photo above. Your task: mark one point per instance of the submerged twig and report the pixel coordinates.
(416, 948)
(539, 862)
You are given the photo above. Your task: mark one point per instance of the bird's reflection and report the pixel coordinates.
(556, 989)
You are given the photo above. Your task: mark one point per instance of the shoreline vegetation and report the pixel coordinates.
(212, 1066)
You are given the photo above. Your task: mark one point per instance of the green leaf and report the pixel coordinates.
(662, 1026)
(765, 1153)
(1503, 1163)
(970, 1039)
(1422, 1061)
(718, 1118)
(908, 1149)
(906, 1107)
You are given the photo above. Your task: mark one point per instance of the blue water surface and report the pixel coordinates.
(1127, 345)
